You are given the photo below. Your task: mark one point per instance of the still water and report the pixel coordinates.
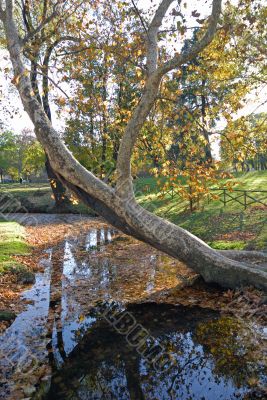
(91, 327)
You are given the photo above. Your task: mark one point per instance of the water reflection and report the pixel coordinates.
(90, 360)
(104, 366)
(98, 237)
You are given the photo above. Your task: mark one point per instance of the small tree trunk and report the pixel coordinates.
(207, 149)
(59, 192)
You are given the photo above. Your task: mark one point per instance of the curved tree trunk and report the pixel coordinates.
(221, 267)
(118, 206)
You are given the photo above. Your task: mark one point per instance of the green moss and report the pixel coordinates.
(226, 245)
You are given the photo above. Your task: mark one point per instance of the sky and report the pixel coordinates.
(12, 113)
(16, 119)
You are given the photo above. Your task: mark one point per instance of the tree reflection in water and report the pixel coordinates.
(213, 358)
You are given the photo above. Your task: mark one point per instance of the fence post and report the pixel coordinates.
(190, 198)
(224, 197)
(245, 199)
(241, 221)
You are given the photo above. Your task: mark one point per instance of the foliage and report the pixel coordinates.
(106, 46)
(225, 338)
(176, 141)
(244, 143)
(20, 155)
(34, 159)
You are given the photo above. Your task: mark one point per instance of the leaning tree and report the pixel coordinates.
(117, 204)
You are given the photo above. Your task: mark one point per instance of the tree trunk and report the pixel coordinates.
(222, 268)
(62, 202)
(207, 148)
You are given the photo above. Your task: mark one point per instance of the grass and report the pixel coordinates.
(221, 226)
(229, 227)
(226, 245)
(12, 242)
(34, 197)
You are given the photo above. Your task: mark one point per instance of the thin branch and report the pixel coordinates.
(69, 53)
(139, 15)
(2, 12)
(26, 17)
(45, 73)
(34, 32)
(182, 58)
(54, 83)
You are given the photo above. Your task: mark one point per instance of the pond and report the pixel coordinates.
(92, 330)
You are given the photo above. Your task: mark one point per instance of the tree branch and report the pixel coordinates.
(184, 57)
(9, 10)
(2, 12)
(45, 73)
(139, 15)
(124, 183)
(34, 32)
(152, 36)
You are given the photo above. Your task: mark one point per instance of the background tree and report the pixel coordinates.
(21, 155)
(44, 29)
(244, 143)
(7, 151)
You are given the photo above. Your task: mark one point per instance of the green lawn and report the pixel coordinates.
(35, 197)
(223, 227)
(12, 242)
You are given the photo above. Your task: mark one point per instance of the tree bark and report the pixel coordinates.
(219, 267)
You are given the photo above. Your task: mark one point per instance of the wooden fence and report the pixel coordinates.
(244, 198)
